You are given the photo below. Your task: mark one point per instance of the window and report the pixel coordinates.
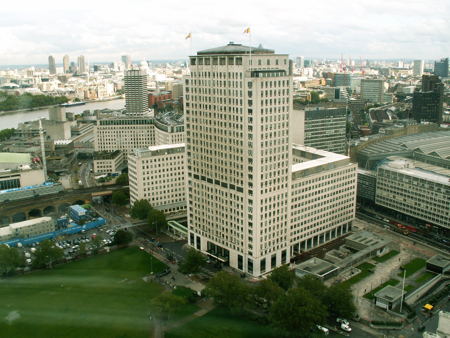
(250, 265)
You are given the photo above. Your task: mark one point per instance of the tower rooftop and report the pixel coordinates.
(236, 48)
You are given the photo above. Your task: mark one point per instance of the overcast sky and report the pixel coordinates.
(147, 29)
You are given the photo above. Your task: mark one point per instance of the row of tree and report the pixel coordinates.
(26, 101)
(5, 134)
(142, 209)
(293, 305)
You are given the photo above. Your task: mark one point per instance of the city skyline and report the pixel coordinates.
(395, 29)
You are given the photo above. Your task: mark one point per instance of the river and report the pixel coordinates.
(13, 119)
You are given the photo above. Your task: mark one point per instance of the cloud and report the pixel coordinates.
(145, 29)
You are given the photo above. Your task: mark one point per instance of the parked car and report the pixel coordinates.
(323, 329)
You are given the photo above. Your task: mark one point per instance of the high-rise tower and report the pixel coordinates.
(51, 65)
(126, 59)
(418, 67)
(81, 65)
(441, 67)
(238, 102)
(66, 63)
(136, 96)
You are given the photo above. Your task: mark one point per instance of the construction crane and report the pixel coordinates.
(44, 161)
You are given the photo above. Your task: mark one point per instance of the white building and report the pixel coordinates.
(158, 175)
(136, 95)
(323, 197)
(81, 65)
(239, 158)
(372, 90)
(26, 229)
(17, 170)
(108, 162)
(415, 188)
(124, 133)
(418, 67)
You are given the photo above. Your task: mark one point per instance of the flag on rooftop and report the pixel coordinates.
(247, 30)
(188, 36)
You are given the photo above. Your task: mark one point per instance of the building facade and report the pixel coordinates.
(81, 65)
(124, 134)
(239, 158)
(372, 90)
(441, 67)
(323, 197)
(418, 67)
(66, 63)
(136, 100)
(158, 175)
(108, 162)
(428, 103)
(51, 65)
(416, 189)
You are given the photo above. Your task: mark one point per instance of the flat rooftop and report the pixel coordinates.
(16, 158)
(159, 150)
(440, 261)
(389, 293)
(418, 169)
(316, 266)
(314, 160)
(30, 222)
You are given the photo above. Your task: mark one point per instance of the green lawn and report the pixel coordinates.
(365, 266)
(425, 277)
(101, 296)
(220, 323)
(413, 266)
(386, 257)
(370, 295)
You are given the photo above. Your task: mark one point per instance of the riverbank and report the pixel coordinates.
(9, 112)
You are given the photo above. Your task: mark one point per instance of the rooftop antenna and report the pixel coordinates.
(44, 161)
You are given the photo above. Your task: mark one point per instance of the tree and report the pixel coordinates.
(339, 301)
(122, 237)
(283, 277)
(82, 250)
(119, 197)
(46, 254)
(228, 290)
(122, 179)
(156, 219)
(315, 97)
(97, 243)
(193, 261)
(313, 285)
(268, 290)
(297, 312)
(140, 209)
(165, 304)
(10, 260)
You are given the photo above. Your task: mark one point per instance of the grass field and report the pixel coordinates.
(101, 296)
(413, 266)
(366, 270)
(386, 257)
(220, 323)
(425, 277)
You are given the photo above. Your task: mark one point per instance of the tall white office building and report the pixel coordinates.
(81, 65)
(51, 65)
(136, 95)
(418, 67)
(372, 90)
(126, 59)
(66, 63)
(237, 108)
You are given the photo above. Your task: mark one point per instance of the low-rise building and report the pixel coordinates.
(26, 229)
(323, 197)
(157, 174)
(108, 161)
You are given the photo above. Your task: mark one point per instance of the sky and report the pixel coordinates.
(102, 30)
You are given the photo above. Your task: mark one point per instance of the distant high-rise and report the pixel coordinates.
(372, 90)
(126, 59)
(342, 80)
(51, 64)
(418, 68)
(81, 65)
(66, 63)
(73, 68)
(300, 62)
(428, 102)
(136, 95)
(441, 67)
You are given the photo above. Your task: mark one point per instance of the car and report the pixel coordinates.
(323, 329)
(346, 327)
(342, 321)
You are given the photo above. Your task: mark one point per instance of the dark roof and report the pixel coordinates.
(236, 48)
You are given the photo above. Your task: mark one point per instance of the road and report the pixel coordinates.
(85, 176)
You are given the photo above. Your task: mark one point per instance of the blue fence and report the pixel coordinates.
(73, 229)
